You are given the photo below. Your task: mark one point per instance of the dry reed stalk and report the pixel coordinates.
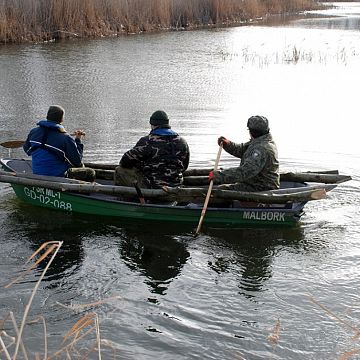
(36, 320)
(4, 349)
(54, 248)
(88, 305)
(109, 344)
(10, 316)
(353, 328)
(274, 336)
(3, 321)
(69, 346)
(349, 354)
(97, 345)
(78, 331)
(98, 338)
(28, 270)
(239, 356)
(4, 334)
(17, 335)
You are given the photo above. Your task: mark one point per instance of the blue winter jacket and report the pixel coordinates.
(52, 149)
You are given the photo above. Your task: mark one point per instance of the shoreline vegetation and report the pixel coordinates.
(49, 20)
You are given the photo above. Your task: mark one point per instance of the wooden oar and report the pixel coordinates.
(12, 144)
(203, 211)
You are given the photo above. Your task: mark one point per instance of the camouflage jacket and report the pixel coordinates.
(259, 166)
(161, 156)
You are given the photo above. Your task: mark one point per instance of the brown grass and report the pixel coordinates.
(273, 338)
(88, 325)
(347, 354)
(41, 20)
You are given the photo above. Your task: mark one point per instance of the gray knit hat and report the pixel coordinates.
(259, 124)
(55, 113)
(159, 117)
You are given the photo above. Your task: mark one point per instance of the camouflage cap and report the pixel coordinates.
(258, 123)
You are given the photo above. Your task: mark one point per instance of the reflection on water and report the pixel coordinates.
(40, 226)
(342, 16)
(159, 258)
(338, 16)
(250, 253)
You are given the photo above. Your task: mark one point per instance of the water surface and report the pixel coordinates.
(220, 295)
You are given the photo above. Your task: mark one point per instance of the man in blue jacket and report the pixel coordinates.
(54, 152)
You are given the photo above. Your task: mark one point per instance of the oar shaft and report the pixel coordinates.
(14, 144)
(203, 211)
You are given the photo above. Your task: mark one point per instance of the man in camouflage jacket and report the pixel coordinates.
(259, 166)
(157, 160)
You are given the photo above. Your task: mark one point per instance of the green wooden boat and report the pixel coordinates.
(283, 207)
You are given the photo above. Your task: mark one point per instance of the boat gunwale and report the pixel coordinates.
(265, 197)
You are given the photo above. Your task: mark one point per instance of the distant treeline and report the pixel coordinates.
(41, 20)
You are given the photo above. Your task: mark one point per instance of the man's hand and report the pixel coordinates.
(223, 140)
(78, 134)
(211, 176)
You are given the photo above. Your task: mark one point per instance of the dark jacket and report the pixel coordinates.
(161, 156)
(52, 149)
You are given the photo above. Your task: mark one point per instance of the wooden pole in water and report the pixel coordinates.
(203, 211)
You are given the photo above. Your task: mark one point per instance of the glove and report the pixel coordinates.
(223, 140)
(78, 134)
(211, 176)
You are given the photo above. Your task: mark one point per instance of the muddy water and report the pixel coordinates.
(221, 295)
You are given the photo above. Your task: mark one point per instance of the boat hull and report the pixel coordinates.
(270, 215)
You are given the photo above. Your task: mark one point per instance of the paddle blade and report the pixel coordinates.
(12, 144)
(318, 194)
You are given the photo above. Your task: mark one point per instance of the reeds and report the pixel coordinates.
(12, 344)
(349, 354)
(41, 20)
(50, 249)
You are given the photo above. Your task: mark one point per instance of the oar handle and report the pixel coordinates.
(203, 211)
(78, 132)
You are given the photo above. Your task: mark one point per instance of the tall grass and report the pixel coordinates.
(39, 20)
(12, 344)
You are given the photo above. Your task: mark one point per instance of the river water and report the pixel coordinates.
(227, 294)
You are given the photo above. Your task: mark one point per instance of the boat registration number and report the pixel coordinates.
(264, 215)
(47, 197)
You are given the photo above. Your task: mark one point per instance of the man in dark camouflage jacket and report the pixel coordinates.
(157, 160)
(259, 166)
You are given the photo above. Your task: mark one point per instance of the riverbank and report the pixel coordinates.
(42, 20)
